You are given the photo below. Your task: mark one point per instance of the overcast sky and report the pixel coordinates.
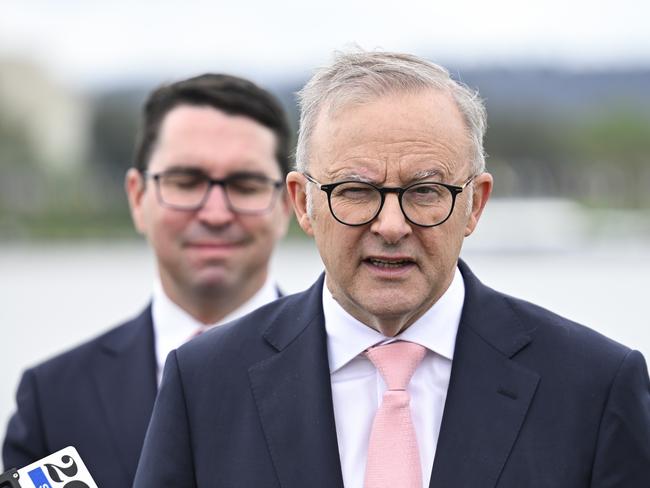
(89, 43)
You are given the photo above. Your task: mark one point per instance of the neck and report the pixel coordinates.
(211, 304)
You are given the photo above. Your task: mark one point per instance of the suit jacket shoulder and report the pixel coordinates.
(248, 404)
(114, 339)
(559, 402)
(97, 397)
(257, 335)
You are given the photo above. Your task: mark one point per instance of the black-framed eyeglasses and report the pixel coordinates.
(426, 203)
(245, 193)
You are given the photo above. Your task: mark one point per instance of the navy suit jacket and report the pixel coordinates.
(97, 397)
(534, 400)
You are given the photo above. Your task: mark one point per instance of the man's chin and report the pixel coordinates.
(212, 281)
(385, 306)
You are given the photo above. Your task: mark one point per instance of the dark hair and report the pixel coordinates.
(230, 94)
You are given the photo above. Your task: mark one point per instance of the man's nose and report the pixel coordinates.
(391, 224)
(216, 211)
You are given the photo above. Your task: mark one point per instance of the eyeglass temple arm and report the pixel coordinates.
(469, 180)
(311, 179)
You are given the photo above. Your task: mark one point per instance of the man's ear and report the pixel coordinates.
(482, 189)
(134, 186)
(297, 188)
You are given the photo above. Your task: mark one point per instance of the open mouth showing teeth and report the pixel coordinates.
(389, 264)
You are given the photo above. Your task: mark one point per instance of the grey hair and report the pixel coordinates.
(360, 76)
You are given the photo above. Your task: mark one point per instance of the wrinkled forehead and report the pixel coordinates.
(338, 102)
(343, 98)
(397, 125)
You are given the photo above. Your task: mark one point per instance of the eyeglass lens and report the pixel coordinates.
(243, 193)
(357, 203)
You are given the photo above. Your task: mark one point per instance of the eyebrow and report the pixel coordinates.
(427, 173)
(420, 175)
(348, 176)
(183, 169)
(254, 174)
(356, 177)
(196, 171)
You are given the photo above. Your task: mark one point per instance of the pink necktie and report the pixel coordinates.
(199, 330)
(393, 455)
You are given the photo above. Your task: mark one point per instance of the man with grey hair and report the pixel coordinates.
(397, 368)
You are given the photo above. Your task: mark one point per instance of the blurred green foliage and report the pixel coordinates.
(618, 135)
(594, 153)
(15, 149)
(601, 158)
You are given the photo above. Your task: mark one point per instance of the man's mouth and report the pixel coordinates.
(213, 244)
(389, 263)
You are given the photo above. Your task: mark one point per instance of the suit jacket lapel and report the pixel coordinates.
(293, 395)
(489, 394)
(125, 376)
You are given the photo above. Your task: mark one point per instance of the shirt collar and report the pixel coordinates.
(436, 329)
(173, 326)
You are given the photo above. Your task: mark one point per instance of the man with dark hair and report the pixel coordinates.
(207, 191)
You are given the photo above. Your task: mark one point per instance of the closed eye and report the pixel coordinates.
(354, 191)
(185, 181)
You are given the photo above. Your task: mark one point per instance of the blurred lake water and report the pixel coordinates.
(56, 295)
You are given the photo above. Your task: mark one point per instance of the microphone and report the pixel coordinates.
(63, 469)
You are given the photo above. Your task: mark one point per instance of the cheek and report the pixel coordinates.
(165, 227)
(339, 246)
(261, 232)
(261, 226)
(443, 247)
(435, 243)
(279, 222)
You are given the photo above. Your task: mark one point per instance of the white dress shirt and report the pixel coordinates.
(173, 326)
(358, 388)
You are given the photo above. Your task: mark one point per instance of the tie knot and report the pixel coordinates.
(396, 362)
